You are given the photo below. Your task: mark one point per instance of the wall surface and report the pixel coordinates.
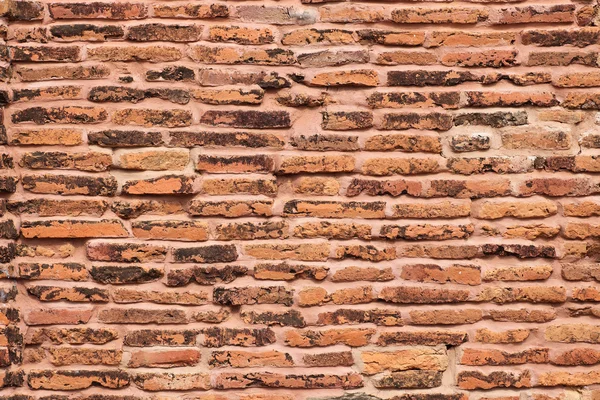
(300, 199)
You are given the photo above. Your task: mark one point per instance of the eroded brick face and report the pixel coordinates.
(299, 200)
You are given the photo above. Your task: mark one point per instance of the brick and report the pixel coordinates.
(60, 115)
(560, 37)
(125, 252)
(514, 99)
(57, 316)
(404, 142)
(461, 274)
(218, 337)
(200, 11)
(251, 231)
(430, 78)
(50, 93)
(329, 230)
(498, 119)
(401, 360)
(229, 96)
(219, 187)
(231, 208)
(410, 380)
(509, 336)
(402, 57)
(349, 337)
(439, 15)
(86, 32)
(65, 356)
(164, 359)
(325, 142)
(225, 139)
(247, 119)
(468, 39)
(47, 73)
(97, 10)
(164, 32)
(88, 161)
(159, 381)
(425, 338)
(73, 229)
(316, 186)
(154, 160)
(402, 121)
(343, 121)
(273, 380)
(241, 35)
(70, 185)
(283, 318)
(342, 358)
(77, 379)
(446, 317)
(310, 36)
(228, 55)
(245, 359)
(561, 13)
(485, 59)
(357, 78)
(45, 53)
(142, 316)
(472, 380)
(49, 136)
(449, 100)
(351, 14)
(316, 164)
(300, 252)
(25, 11)
(206, 254)
(287, 272)
(156, 337)
(168, 184)
(151, 53)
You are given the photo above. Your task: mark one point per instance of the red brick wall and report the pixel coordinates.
(300, 199)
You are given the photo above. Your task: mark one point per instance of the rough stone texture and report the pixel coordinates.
(299, 200)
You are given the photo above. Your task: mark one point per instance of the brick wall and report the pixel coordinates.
(300, 199)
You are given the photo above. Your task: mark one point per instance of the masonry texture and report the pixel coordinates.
(300, 199)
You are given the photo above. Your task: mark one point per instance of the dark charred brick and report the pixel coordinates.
(410, 380)
(234, 164)
(61, 115)
(117, 94)
(45, 53)
(25, 10)
(431, 78)
(282, 318)
(156, 337)
(465, 143)
(217, 337)
(85, 161)
(77, 32)
(125, 274)
(519, 250)
(430, 121)
(561, 37)
(349, 316)
(115, 138)
(497, 119)
(191, 11)
(8, 230)
(172, 74)
(125, 252)
(247, 119)
(237, 296)
(206, 254)
(204, 275)
(8, 184)
(164, 32)
(422, 338)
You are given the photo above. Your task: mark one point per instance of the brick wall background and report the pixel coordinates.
(300, 199)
